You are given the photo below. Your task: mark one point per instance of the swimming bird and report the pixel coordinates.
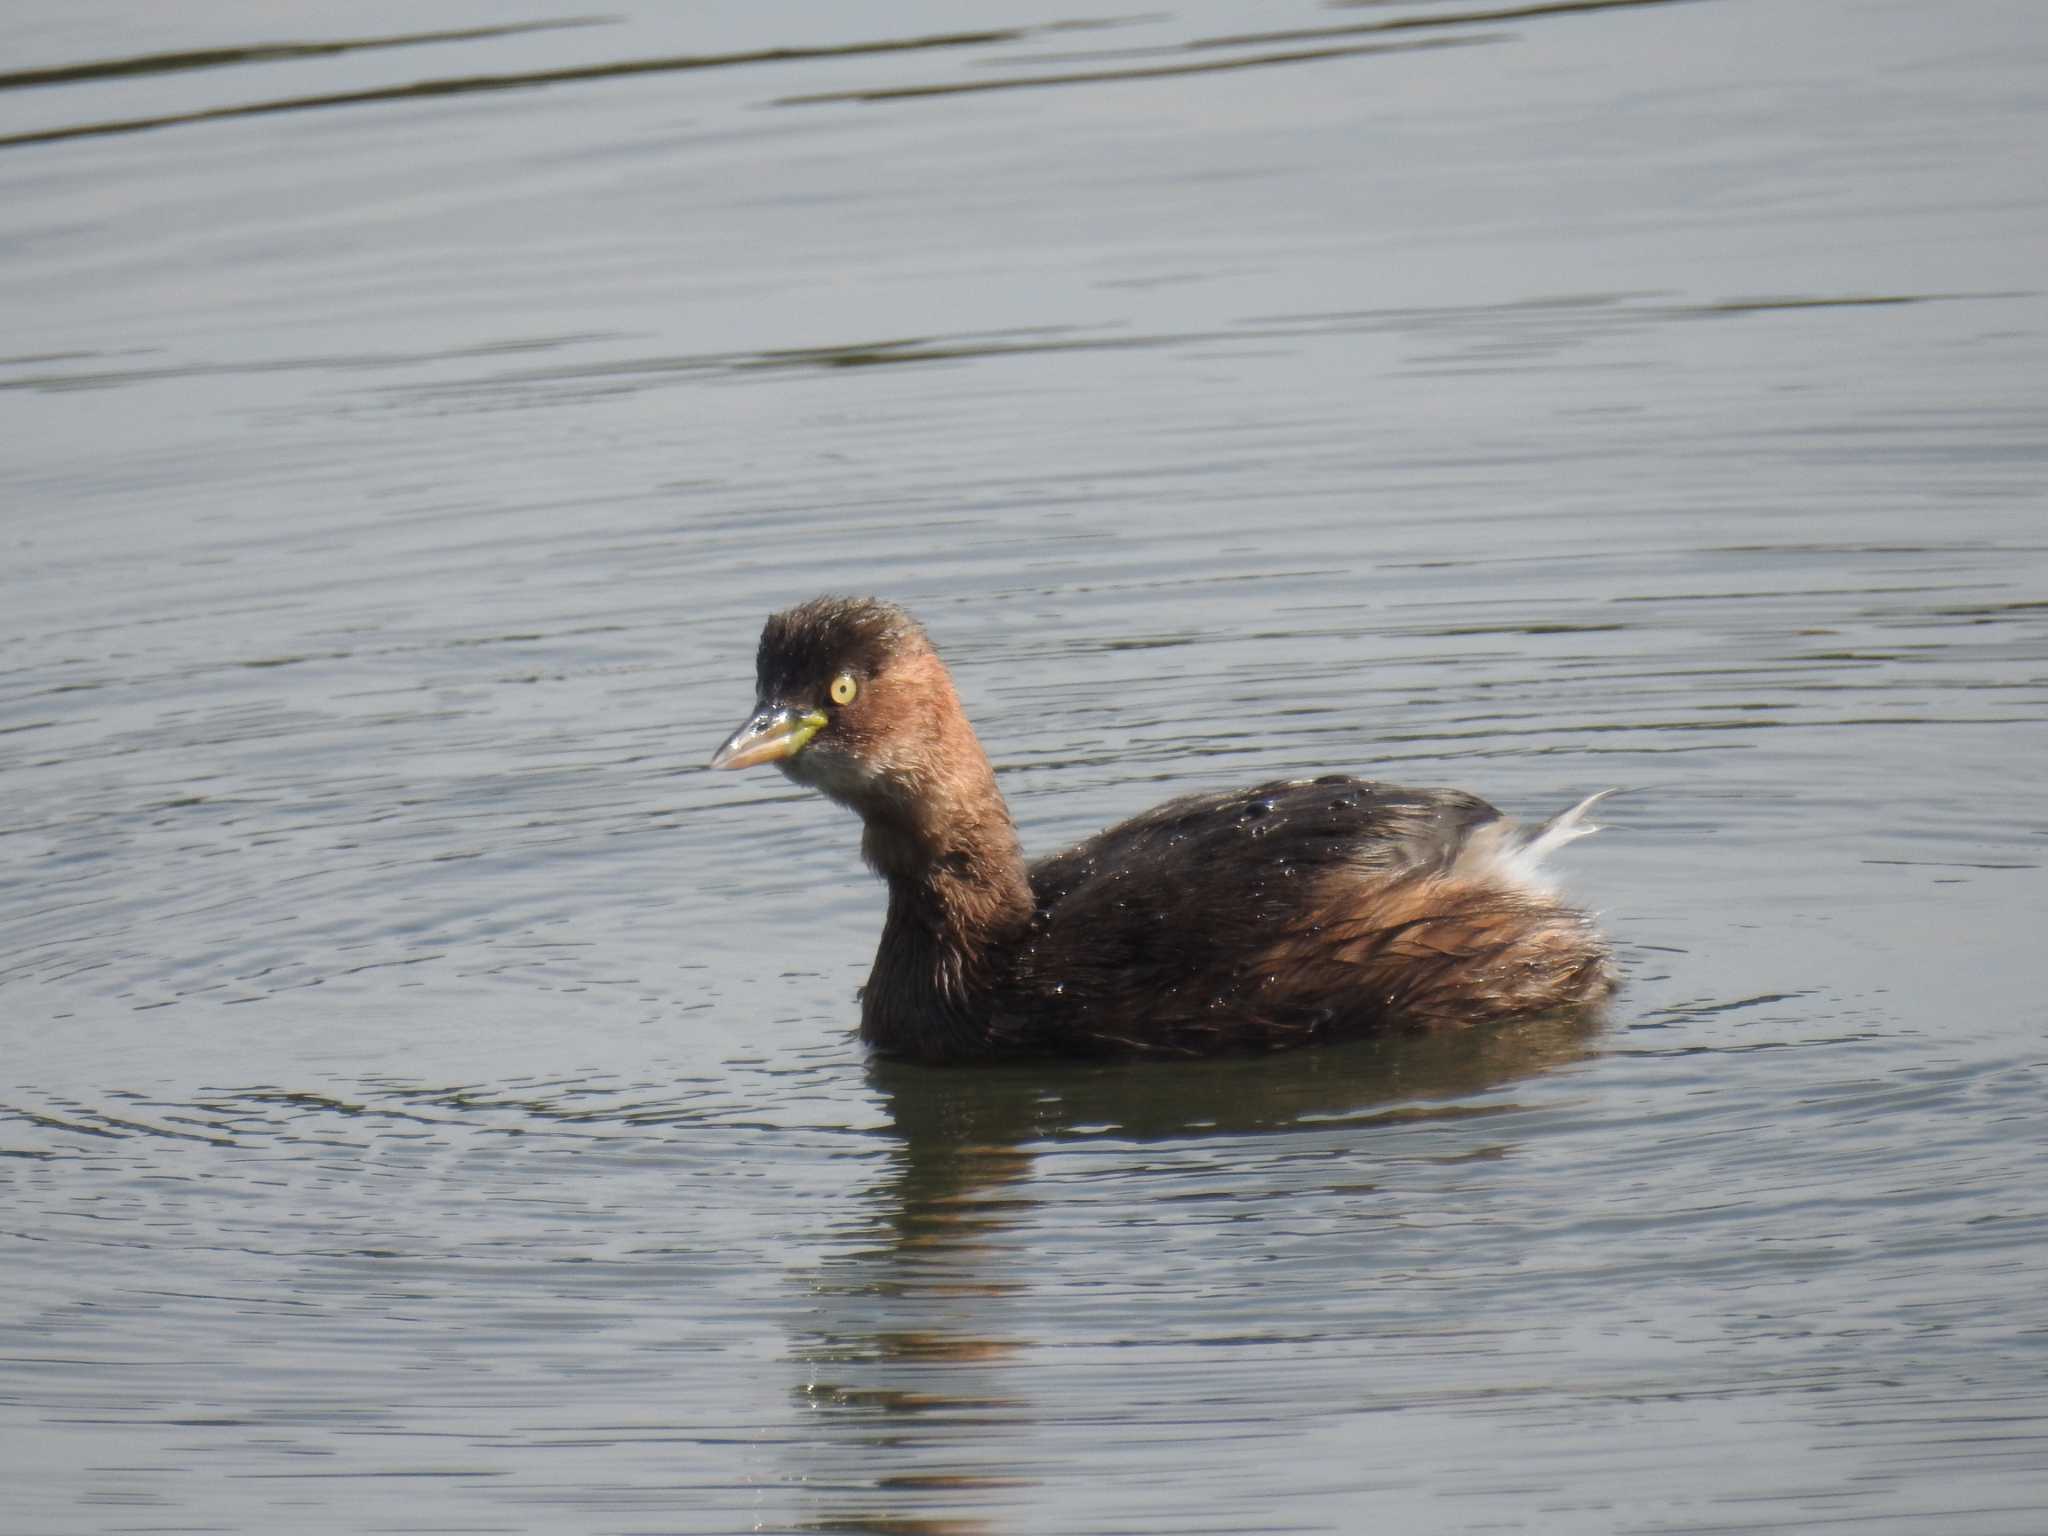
(1289, 913)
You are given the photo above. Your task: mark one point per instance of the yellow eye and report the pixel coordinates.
(844, 688)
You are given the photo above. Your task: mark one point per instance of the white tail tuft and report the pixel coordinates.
(1508, 852)
(1563, 828)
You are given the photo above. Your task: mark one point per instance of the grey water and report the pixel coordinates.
(428, 1099)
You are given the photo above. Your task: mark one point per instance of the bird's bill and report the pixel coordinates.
(772, 734)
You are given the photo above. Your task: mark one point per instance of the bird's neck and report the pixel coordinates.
(958, 893)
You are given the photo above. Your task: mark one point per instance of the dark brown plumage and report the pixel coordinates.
(1259, 919)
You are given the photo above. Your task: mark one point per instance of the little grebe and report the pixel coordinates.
(1298, 911)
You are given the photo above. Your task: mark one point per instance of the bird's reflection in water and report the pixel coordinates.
(920, 1353)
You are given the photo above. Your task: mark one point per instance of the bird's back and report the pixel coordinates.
(1291, 912)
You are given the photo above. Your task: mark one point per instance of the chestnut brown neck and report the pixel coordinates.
(942, 838)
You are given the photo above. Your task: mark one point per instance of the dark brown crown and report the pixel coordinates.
(805, 647)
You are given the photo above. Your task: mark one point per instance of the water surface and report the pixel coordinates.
(429, 1098)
